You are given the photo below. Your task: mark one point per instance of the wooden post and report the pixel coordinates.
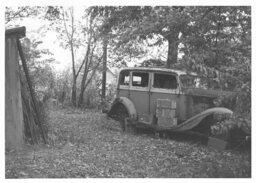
(13, 104)
(31, 89)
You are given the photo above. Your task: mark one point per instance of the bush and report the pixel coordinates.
(92, 97)
(110, 93)
(234, 129)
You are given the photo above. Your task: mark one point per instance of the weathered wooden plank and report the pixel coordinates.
(31, 89)
(13, 102)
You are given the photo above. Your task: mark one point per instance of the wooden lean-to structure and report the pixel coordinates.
(23, 118)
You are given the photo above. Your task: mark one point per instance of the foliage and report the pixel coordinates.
(76, 35)
(219, 47)
(91, 59)
(110, 22)
(12, 13)
(38, 59)
(111, 93)
(92, 95)
(235, 130)
(41, 73)
(62, 89)
(214, 37)
(152, 63)
(92, 98)
(142, 23)
(120, 56)
(103, 13)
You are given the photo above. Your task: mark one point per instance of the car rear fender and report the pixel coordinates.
(128, 104)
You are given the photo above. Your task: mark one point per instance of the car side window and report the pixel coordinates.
(165, 81)
(124, 78)
(140, 79)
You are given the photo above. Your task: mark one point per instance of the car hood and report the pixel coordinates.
(206, 92)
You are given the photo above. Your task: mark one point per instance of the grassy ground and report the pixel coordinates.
(87, 144)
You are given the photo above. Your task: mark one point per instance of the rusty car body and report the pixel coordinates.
(164, 99)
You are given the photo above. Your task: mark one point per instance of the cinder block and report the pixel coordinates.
(166, 122)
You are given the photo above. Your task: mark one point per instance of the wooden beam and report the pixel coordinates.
(31, 89)
(13, 103)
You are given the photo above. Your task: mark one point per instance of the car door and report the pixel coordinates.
(139, 94)
(163, 98)
(123, 84)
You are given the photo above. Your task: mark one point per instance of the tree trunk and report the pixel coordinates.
(73, 95)
(81, 96)
(86, 67)
(104, 69)
(173, 43)
(85, 84)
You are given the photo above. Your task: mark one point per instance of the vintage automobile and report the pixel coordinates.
(165, 100)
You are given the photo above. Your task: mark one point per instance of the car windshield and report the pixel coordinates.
(191, 81)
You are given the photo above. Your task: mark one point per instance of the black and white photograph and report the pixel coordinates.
(127, 91)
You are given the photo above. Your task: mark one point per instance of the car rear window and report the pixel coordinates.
(124, 78)
(165, 81)
(140, 79)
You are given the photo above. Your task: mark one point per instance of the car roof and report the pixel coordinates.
(157, 69)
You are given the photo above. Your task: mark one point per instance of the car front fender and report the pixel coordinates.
(197, 119)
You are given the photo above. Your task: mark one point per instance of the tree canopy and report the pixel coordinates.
(214, 41)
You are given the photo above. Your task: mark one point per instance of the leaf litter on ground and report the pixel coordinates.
(88, 144)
